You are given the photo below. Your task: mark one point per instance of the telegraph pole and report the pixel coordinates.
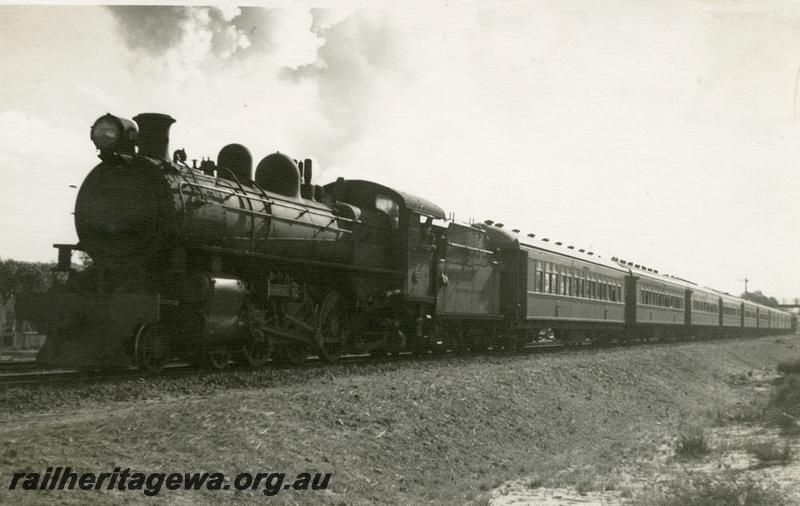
(745, 283)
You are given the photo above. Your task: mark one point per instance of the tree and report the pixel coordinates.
(18, 276)
(760, 298)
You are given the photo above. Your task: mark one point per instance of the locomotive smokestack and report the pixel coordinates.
(307, 189)
(307, 170)
(153, 139)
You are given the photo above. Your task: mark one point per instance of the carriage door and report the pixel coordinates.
(419, 245)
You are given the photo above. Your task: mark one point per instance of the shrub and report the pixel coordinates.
(784, 404)
(692, 444)
(777, 418)
(739, 379)
(725, 490)
(535, 482)
(771, 453)
(789, 367)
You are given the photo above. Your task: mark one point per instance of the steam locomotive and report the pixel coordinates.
(216, 263)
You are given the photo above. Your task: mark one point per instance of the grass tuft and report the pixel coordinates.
(789, 367)
(741, 414)
(724, 490)
(692, 444)
(535, 483)
(739, 379)
(771, 453)
(784, 405)
(584, 486)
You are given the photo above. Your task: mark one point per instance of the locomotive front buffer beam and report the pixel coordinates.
(88, 331)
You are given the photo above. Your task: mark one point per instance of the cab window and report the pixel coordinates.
(390, 207)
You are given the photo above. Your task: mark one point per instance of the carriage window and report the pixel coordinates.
(390, 207)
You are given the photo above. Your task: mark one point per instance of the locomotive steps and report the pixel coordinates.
(445, 431)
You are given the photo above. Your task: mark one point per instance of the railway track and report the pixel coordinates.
(18, 366)
(42, 377)
(33, 375)
(23, 375)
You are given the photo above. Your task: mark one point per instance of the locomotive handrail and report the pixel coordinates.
(182, 175)
(249, 205)
(180, 194)
(206, 201)
(271, 201)
(470, 248)
(290, 220)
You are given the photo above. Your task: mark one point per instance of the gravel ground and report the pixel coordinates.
(443, 431)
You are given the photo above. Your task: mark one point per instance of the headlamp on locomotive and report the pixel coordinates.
(110, 133)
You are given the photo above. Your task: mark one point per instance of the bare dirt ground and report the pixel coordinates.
(642, 479)
(591, 426)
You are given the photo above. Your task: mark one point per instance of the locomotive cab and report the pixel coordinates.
(396, 230)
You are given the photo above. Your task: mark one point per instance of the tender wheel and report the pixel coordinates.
(331, 334)
(151, 348)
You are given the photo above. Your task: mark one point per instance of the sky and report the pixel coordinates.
(664, 133)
